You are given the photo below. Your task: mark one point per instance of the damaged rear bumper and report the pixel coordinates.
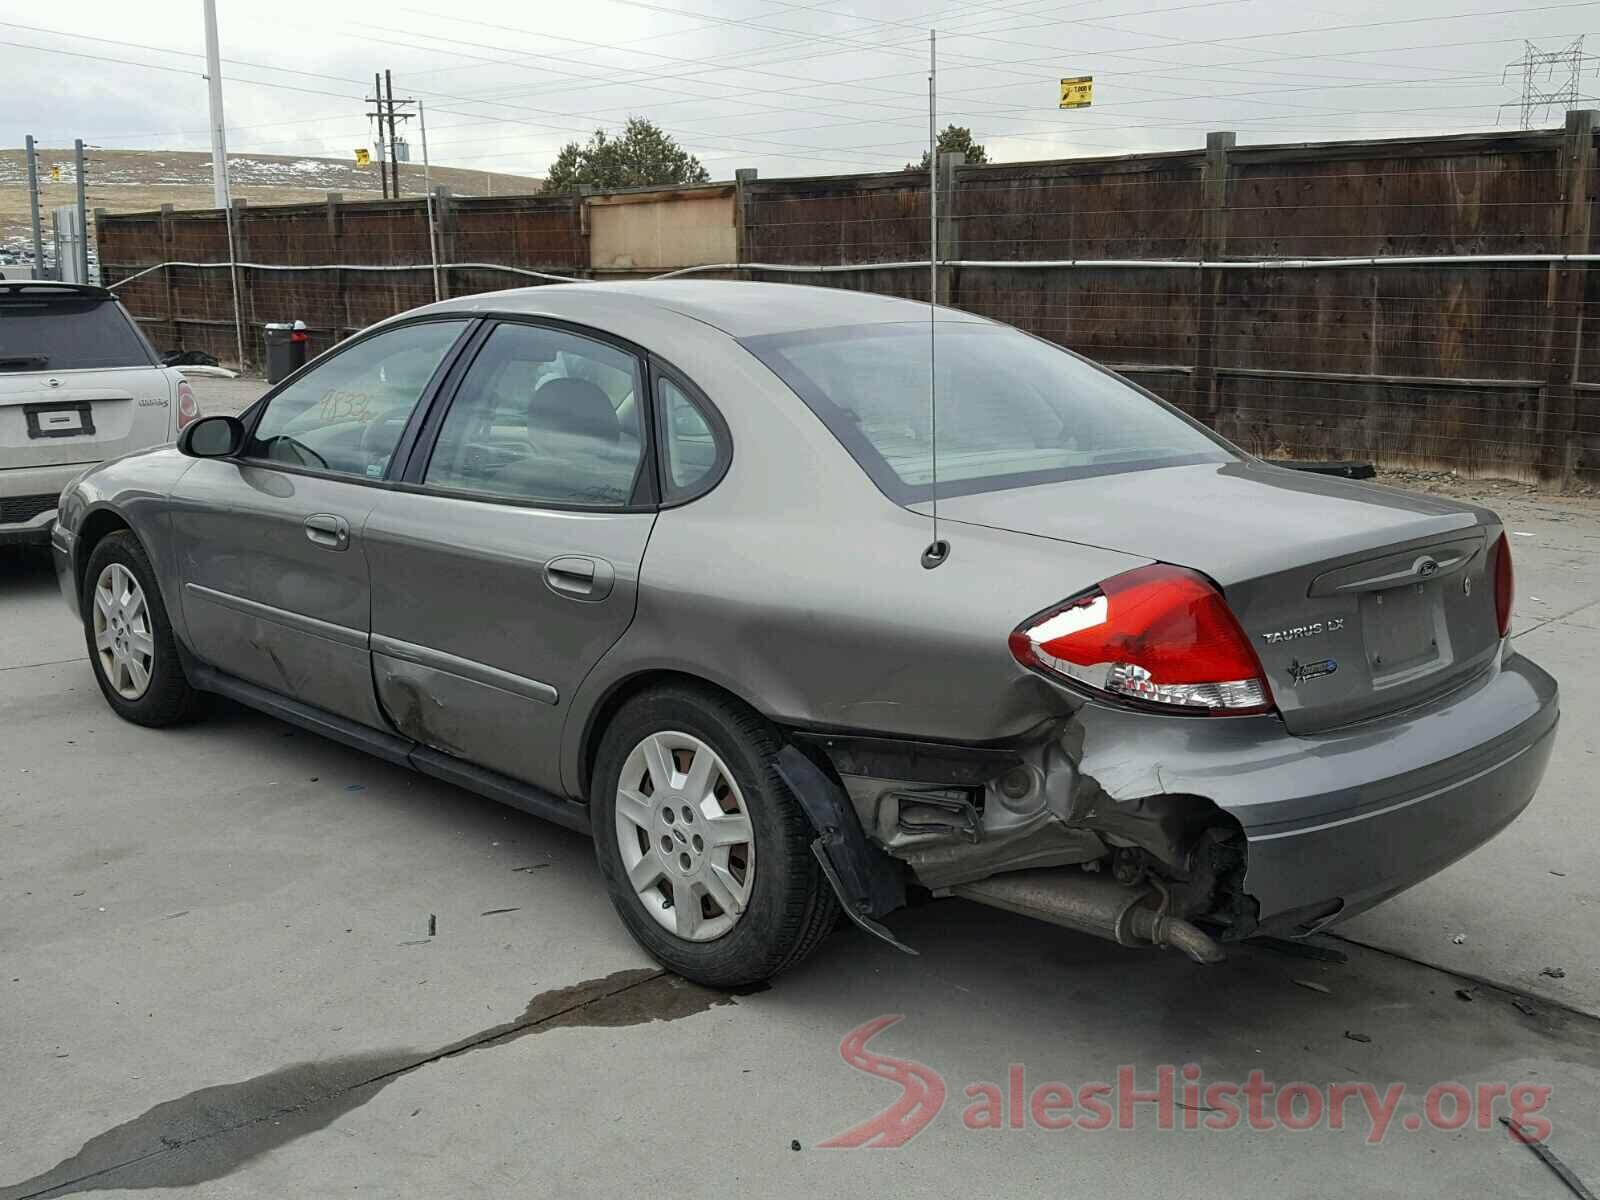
(1336, 822)
(1235, 822)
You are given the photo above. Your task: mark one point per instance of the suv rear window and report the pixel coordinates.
(49, 334)
(1013, 409)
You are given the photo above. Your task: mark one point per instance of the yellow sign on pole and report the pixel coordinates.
(1077, 92)
(363, 158)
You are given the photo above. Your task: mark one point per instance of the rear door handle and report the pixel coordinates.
(328, 531)
(580, 578)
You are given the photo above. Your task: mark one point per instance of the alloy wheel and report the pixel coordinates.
(685, 836)
(123, 640)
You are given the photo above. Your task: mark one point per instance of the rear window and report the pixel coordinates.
(1012, 410)
(39, 334)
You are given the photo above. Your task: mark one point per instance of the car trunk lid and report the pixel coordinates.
(1358, 600)
(65, 417)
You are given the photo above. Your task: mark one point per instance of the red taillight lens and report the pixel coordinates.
(1504, 585)
(188, 410)
(1159, 635)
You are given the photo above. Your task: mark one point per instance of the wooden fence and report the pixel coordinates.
(1476, 359)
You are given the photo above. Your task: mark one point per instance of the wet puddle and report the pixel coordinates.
(210, 1133)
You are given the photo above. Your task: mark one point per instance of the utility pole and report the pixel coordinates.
(383, 158)
(386, 111)
(219, 137)
(33, 204)
(394, 156)
(83, 213)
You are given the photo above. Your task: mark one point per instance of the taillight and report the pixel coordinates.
(188, 410)
(1504, 585)
(1158, 635)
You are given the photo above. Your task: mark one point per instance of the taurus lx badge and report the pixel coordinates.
(1295, 632)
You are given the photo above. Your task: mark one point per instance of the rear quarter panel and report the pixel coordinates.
(798, 586)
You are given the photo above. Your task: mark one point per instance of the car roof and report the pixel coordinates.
(738, 308)
(46, 288)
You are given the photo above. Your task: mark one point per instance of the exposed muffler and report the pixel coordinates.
(1097, 904)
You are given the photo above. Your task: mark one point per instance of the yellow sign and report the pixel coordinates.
(363, 158)
(55, 173)
(1077, 92)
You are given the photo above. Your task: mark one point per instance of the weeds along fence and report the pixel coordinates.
(1411, 301)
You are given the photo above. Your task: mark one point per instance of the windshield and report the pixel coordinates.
(60, 334)
(1012, 410)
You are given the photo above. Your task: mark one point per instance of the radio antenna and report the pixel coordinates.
(938, 550)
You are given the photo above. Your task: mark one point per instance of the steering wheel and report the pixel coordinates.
(299, 452)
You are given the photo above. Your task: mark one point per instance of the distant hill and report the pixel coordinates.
(141, 180)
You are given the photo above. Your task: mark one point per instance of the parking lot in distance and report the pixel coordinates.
(238, 959)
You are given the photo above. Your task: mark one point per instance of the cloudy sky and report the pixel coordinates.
(787, 86)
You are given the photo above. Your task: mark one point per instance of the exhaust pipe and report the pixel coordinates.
(1093, 904)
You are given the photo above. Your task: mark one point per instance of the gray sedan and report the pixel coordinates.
(698, 567)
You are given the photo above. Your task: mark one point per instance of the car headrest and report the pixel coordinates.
(574, 406)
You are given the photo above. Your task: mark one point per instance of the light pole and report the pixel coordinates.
(219, 137)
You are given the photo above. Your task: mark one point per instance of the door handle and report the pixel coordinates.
(579, 578)
(328, 531)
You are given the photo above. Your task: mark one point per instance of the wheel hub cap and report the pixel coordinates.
(685, 836)
(123, 642)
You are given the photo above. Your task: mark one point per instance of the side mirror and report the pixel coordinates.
(212, 437)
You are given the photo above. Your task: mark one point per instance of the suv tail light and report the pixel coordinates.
(1158, 635)
(188, 410)
(1504, 585)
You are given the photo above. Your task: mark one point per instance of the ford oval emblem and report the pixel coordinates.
(52, 383)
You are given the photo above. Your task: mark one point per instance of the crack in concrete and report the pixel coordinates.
(1559, 617)
(211, 1132)
(1534, 998)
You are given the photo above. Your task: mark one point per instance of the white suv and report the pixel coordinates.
(78, 384)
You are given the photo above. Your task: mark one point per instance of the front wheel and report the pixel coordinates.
(129, 637)
(705, 852)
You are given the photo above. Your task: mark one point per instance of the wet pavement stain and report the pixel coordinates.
(211, 1132)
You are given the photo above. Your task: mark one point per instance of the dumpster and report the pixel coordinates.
(286, 348)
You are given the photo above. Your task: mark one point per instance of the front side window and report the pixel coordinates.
(547, 416)
(347, 414)
(1012, 410)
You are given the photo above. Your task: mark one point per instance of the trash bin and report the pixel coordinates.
(286, 348)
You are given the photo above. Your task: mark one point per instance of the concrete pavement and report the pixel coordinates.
(217, 975)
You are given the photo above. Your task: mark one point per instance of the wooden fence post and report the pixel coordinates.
(1556, 429)
(1204, 399)
(742, 178)
(444, 215)
(341, 298)
(167, 255)
(950, 164)
(580, 210)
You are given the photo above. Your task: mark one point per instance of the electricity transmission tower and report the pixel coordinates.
(1550, 79)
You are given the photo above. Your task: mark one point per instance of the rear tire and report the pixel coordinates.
(759, 906)
(129, 637)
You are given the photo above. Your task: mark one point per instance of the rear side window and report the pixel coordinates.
(39, 334)
(692, 454)
(1012, 410)
(544, 415)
